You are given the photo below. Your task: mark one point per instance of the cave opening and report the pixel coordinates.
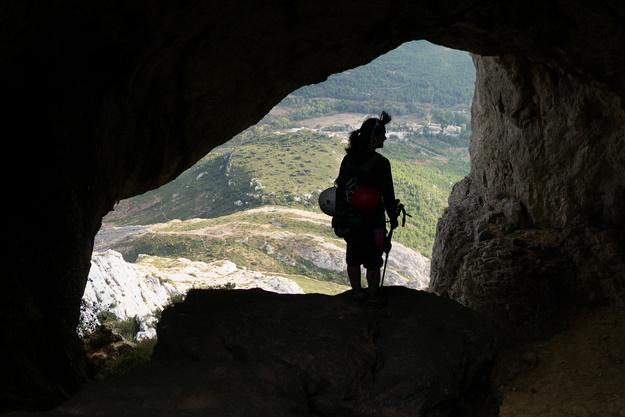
(283, 163)
(97, 94)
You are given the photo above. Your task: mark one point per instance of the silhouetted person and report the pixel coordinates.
(367, 243)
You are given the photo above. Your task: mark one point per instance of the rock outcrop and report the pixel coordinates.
(106, 343)
(535, 230)
(406, 267)
(140, 290)
(107, 100)
(117, 287)
(255, 353)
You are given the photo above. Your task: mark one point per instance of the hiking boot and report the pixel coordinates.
(360, 296)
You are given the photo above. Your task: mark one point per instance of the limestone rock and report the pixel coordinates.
(117, 287)
(521, 238)
(123, 289)
(254, 353)
(185, 274)
(414, 267)
(140, 290)
(114, 99)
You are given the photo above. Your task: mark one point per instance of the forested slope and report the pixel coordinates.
(414, 78)
(270, 164)
(294, 169)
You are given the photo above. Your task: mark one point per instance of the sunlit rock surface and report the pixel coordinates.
(140, 290)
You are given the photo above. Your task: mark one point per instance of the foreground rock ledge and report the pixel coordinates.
(256, 353)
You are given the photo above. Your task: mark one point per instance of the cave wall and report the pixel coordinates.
(108, 99)
(536, 229)
(104, 100)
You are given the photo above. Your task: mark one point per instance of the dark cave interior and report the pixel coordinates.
(107, 100)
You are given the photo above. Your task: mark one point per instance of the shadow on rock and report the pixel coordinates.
(255, 353)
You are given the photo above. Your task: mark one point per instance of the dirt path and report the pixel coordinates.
(577, 373)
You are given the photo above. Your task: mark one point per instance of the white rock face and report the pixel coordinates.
(116, 286)
(139, 290)
(414, 266)
(324, 255)
(127, 291)
(185, 274)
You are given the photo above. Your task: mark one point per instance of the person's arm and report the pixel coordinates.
(388, 192)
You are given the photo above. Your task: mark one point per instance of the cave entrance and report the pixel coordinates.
(250, 206)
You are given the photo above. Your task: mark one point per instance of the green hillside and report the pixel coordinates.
(269, 164)
(266, 240)
(290, 170)
(276, 169)
(411, 79)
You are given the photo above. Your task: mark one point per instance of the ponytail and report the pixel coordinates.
(360, 138)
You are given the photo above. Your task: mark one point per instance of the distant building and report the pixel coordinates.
(434, 129)
(452, 130)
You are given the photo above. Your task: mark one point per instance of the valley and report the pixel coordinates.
(238, 221)
(260, 216)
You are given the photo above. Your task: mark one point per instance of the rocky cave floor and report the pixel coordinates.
(579, 372)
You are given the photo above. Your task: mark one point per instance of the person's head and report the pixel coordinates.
(371, 134)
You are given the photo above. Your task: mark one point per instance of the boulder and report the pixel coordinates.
(256, 353)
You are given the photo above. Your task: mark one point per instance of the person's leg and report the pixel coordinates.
(373, 281)
(358, 294)
(373, 262)
(354, 258)
(353, 272)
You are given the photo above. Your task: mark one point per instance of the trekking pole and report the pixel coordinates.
(390, 235)
(400, 210)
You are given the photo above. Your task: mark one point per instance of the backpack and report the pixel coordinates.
(348, 219)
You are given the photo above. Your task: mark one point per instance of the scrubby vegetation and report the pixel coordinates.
(269, 164)
(294, 169)
(261, 241)
(139, 354)
(409, 80)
